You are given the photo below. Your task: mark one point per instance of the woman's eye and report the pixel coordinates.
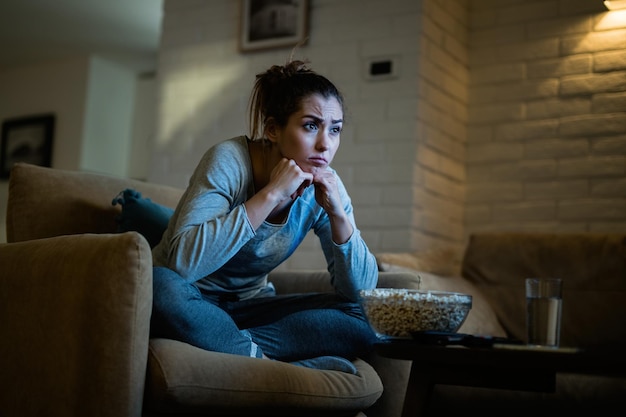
(336, 130)
(310, 126)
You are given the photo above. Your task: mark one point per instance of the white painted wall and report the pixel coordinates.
(94, 101)
(107, 131)
(58, 87)
(144, 126)
(54, 87)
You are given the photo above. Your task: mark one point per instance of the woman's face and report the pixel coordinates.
(312, 134)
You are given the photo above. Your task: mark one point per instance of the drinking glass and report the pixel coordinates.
(543, 311)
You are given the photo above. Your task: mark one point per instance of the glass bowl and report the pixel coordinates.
(396, 312)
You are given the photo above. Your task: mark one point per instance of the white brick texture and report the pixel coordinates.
(546, 149)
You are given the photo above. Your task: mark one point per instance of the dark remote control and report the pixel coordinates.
(462, 339)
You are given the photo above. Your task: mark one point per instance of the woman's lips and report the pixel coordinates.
(318, 161)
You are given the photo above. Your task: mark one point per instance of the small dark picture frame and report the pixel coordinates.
(26, 139)
(268, 24)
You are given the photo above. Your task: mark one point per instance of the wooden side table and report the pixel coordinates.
(515, 367)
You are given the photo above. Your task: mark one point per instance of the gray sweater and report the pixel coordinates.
(210, 241)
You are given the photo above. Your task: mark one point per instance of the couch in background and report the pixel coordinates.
(493, 268)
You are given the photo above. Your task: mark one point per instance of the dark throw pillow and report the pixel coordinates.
(142, 215)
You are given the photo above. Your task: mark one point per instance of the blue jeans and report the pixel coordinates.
(283, 327)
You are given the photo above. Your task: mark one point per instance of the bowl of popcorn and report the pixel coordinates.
(398, 313)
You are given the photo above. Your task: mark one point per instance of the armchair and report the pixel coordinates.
(75, 305)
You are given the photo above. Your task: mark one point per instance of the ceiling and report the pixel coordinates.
(33, 31)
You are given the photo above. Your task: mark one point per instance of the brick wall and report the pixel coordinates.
(503, 114)
(439, 181)
(547, 117)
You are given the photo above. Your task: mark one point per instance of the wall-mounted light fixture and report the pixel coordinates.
(615, 4)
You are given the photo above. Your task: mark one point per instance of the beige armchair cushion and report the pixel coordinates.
(185, 379)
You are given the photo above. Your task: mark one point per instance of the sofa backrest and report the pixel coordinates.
(591, 265)
(46, 202)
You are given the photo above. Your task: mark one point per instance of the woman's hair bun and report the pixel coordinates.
(288, 70)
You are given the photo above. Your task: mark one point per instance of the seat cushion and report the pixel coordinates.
(185, 380)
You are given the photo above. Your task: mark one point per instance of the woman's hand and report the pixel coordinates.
(289, 179)
(327, 192)
(327, 196)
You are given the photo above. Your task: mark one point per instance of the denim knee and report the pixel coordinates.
(180, 312)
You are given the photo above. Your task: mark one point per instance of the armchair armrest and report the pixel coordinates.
(75, 313)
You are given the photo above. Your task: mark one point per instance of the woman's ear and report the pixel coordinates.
(271, 129)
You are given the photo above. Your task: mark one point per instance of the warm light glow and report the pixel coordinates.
(615, 4)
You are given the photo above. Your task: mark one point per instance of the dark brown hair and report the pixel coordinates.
(279, 91)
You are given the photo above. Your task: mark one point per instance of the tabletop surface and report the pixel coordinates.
(509, 355)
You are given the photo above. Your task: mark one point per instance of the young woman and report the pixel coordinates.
(249, 204)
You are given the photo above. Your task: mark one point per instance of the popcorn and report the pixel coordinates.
(400, 312)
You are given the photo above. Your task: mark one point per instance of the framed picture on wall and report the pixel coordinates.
(267, 24)
(26, 139)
